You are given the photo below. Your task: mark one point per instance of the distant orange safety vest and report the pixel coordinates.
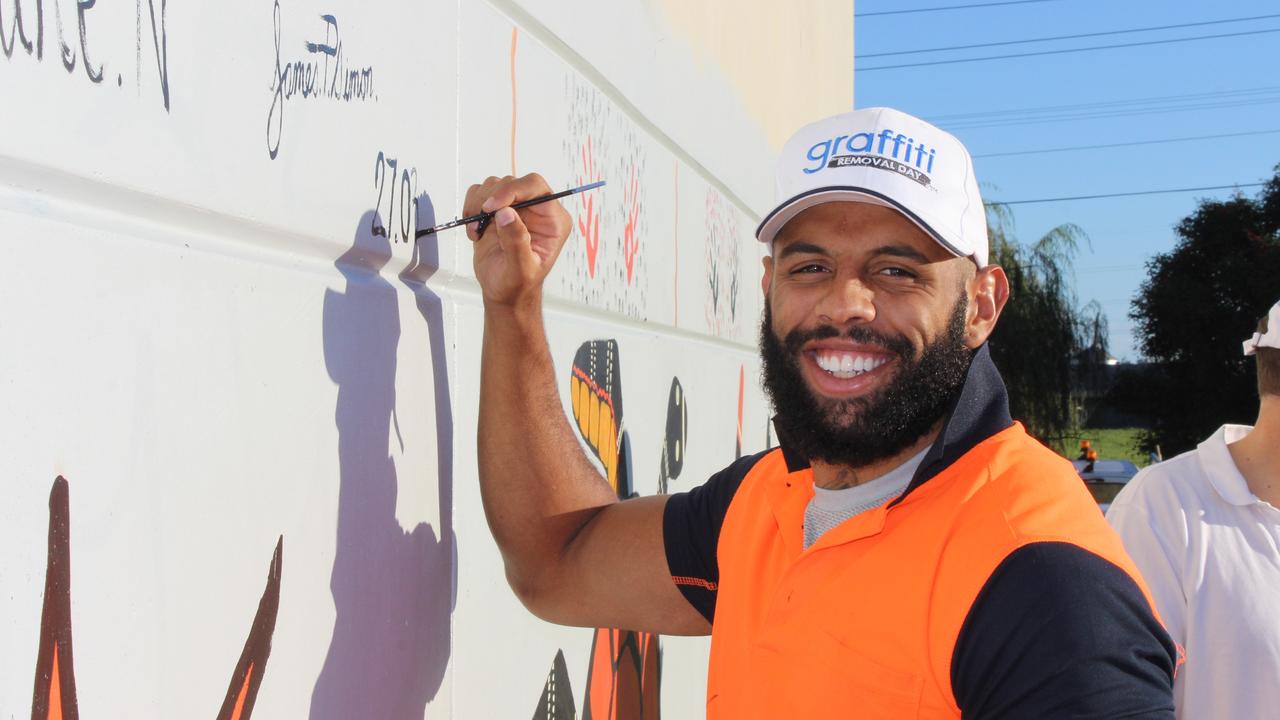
(863, 624)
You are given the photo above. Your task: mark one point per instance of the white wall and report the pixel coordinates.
(201, 334)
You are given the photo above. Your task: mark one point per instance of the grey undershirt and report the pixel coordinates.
(829, 508)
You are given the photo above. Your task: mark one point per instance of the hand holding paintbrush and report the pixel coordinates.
(483, 219)
(518, 230)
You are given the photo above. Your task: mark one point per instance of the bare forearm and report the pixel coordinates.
(536, 483)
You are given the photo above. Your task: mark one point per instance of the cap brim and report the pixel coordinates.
(783, 214)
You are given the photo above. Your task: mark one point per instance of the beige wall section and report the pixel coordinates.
(790, 62)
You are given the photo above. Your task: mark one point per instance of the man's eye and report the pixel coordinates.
(807, 269)
(897, 272)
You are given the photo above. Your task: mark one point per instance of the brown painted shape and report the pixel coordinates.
(54, 697)
(247, 678)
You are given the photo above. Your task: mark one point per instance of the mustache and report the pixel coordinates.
(898, 345)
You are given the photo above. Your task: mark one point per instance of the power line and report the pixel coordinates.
(1058, 109)
(1070, 37)
(1124, 108)
(1126, 144)
(1116, 114)
(1124, 194)
(948, 7)
(1071, 50)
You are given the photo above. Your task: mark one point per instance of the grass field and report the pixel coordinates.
(1116, 444)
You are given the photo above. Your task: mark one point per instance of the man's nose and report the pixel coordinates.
(847, 301)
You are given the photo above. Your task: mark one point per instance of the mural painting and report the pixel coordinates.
(723, 265)
(242, 692)
(625, 672)
(54, 697)
(55, 688)
(556, 702)
(595, 392)
(316, 316)
(628, 214)
(625, 677)
(604, 264)
(676, 438)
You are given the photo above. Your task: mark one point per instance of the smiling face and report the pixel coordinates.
(869, 328)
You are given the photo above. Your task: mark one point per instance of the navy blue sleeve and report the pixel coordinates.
(1058, 632)
(691, 531)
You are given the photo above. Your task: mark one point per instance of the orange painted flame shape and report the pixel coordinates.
(54, 697)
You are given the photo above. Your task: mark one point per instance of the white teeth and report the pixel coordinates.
(847, 365)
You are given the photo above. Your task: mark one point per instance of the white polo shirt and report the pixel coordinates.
(1210, 552)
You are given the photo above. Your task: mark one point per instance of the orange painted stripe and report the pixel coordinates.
(244, 693)
(742, 378)
(55, 688)
(675, 237)
(696, 582)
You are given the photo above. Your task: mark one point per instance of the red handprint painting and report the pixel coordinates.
(588, 210)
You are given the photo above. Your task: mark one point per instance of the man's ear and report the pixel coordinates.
(988, 292)
(767, 278)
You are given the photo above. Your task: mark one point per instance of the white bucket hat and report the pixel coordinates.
(1268, 339)
(884, 157)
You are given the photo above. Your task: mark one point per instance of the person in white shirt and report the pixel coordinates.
(1204, 531)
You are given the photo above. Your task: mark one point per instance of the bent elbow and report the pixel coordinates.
(542, 596)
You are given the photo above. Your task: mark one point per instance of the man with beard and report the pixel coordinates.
(908, 550)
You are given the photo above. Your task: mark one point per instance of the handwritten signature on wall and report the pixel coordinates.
(324, 72)
(17, 34)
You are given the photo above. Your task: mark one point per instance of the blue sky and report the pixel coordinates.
(1227, 85)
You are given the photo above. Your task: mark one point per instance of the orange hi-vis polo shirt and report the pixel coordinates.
(992, 588)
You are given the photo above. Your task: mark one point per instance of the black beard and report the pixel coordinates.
(864, 430)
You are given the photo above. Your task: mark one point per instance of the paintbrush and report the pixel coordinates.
(483, 219)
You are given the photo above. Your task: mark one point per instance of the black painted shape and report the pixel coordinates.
(160, 41)
(676, 437)
(252, 665)
(393, 590)
(55, 620)
(556, 702)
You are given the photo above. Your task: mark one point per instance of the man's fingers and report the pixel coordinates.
(514, 239)
(510, 191)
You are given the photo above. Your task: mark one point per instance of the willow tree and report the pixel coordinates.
(1047, 349)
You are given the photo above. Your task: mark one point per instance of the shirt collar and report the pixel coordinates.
(1216, 462)
(980, 410)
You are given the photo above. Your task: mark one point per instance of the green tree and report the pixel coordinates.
(1044, 346)
(1199, 301)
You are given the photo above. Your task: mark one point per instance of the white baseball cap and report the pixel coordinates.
(1268, 339)
(884, 157)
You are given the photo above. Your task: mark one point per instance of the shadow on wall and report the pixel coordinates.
(393, 590)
